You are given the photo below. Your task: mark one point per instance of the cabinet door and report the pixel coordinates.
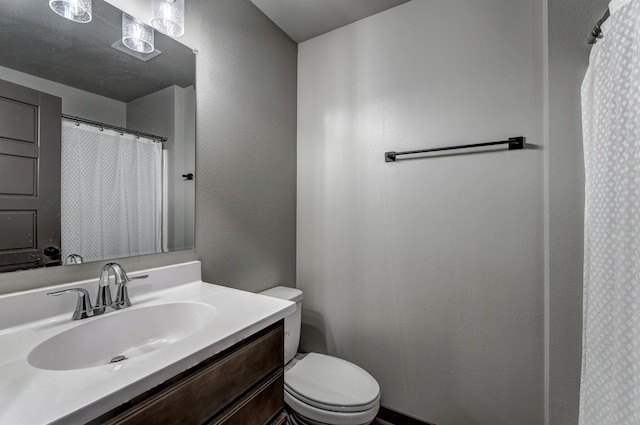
(259, 407)
(201, 395)
(30, 124)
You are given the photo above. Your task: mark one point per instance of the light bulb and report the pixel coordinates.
(167, 16)
(136, 35)
(73, 10)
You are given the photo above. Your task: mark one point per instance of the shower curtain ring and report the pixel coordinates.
(101, 127)
(121, 131)
(77, 122)
(138, 135)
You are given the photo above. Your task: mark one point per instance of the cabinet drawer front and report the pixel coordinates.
(281, 419)
(200, 396)
(258, 407)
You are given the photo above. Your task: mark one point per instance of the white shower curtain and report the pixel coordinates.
(111, 193)
(610, 387)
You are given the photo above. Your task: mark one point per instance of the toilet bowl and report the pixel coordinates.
(321, 389)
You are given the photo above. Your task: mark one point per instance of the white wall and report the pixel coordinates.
(569, 25)
(429, 272)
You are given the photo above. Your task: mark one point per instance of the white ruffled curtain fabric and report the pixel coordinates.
(111, 193)
(610, 386)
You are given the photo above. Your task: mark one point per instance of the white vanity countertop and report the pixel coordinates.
(29, 395)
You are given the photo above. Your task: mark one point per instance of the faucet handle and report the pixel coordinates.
(129, 279)
(122, 297)
(83, 306)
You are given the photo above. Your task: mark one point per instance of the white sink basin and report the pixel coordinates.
(129, 333)
(176, 322)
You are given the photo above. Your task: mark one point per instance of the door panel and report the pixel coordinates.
(18, 229)
(30, 128)
(18, 121)
(18, 175)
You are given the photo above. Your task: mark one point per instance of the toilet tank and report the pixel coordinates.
(293, 322)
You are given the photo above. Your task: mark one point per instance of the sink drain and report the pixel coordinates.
(117, 359)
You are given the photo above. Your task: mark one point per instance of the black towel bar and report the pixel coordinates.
(513, 142)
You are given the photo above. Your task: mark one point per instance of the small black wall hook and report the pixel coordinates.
(188, 176)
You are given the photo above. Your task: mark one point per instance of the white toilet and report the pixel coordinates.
(321, 389)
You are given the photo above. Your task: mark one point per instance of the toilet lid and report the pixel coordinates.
(331, 383)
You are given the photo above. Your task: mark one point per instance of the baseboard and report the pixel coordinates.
(396, 417)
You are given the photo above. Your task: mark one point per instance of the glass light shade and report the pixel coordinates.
(136, 35)
(73, 10)
(167, 16)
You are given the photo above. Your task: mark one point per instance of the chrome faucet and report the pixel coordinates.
(103, 301)
(83, 306)
(122, 296)
(104, 291)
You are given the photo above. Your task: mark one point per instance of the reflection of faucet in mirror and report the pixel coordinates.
(73, 259)
(103, 301)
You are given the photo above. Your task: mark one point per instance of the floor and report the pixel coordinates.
(388, 416)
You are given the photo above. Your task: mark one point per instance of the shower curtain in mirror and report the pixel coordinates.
(610, 385)
(111, 193)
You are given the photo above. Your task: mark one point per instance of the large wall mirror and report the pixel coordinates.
(97, 142)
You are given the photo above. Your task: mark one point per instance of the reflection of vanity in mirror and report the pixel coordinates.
(113, 128)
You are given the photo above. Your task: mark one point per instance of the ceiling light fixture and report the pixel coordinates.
(136, 35)
(73, 10)
(167, 16)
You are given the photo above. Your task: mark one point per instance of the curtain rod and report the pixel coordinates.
(122, 130)
(596, 34)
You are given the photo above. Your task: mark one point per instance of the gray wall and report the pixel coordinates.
(569, 23)
(165, 113)
(428, 272)
(74, 101)
(450, 342)
(189, 166)
(246, 153)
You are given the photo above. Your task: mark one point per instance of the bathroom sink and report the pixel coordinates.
(121, 335)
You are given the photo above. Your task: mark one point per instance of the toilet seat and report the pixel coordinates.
(331, 384)
(308, 414)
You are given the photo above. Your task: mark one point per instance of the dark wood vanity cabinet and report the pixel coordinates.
(243, 385)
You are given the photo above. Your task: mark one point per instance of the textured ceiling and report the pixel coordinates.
(305, 19)
(38, 42)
